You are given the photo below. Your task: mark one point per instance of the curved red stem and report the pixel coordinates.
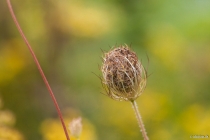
(39, 68)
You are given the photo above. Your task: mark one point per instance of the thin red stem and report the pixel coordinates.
(39, 68)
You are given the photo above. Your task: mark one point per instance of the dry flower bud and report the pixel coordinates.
(124, 77)
(75, 127)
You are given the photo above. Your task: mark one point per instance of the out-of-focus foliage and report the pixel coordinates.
(68, 36)
(7, 121)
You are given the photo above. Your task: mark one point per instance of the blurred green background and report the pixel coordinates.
(67, 37)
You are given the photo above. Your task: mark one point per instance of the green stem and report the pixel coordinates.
(139, 119)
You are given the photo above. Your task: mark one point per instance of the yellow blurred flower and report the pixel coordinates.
(195, 120)
(82, 20)
(7, 118)
(7, 132)
(88, 22)
(51, 129)
(12, 60)
(167, 44)
(153, 104)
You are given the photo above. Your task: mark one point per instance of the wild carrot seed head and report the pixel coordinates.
(124, 77)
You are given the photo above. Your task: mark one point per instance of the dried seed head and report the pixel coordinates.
(124, 77)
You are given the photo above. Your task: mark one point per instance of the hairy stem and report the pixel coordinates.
(39, 68)
(139, 119)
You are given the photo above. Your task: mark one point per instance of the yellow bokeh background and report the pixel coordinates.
(69, 37)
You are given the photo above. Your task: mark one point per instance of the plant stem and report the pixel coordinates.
(139, 119)
(39, 68)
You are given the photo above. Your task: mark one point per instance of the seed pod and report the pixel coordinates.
(124, 77)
